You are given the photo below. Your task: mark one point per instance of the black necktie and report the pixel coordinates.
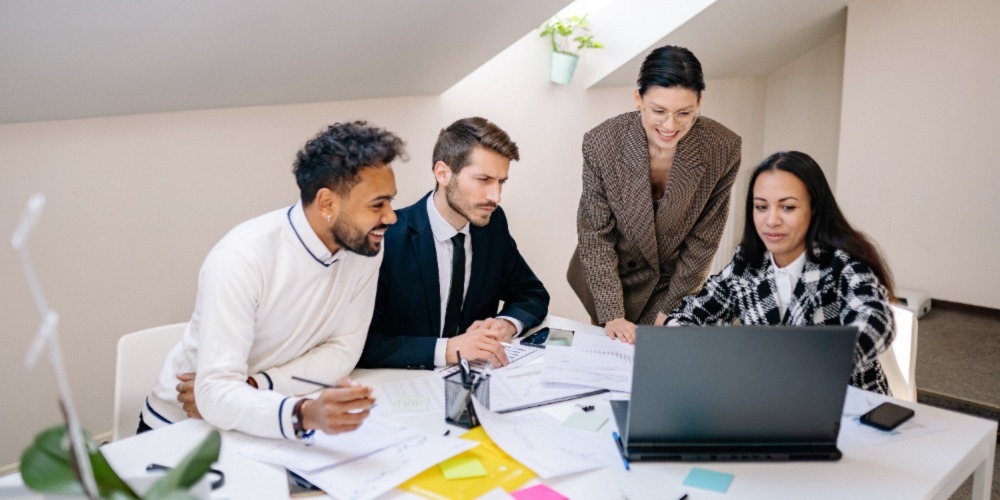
(453, 314)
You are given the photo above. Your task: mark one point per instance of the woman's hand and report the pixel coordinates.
(621, 329)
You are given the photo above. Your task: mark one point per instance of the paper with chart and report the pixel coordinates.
(523, 387)
(545, 446)
(382, 471)
(566, 366)
(411, 397)
(328, 450)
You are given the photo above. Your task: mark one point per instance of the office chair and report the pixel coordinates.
(900, 361)
(140, 359)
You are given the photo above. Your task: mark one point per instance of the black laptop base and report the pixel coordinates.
(729, 452)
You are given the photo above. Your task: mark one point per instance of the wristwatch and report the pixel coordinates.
(300, 432)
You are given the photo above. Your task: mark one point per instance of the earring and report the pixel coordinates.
(327, 219)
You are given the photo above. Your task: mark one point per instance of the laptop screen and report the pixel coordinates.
(745, 385)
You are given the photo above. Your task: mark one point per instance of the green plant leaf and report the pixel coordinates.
(47, 466)
(189, 471)
(560, 31)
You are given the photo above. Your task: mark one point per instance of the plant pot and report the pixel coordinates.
(563, 66)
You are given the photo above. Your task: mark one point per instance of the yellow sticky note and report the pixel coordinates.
(462, 468)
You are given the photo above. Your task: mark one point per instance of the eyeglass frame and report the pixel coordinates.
(674, 115)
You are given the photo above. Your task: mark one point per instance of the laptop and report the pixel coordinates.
(736, 393)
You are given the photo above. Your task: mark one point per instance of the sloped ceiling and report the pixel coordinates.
(66, 59)
(63, 59)
(735, 38)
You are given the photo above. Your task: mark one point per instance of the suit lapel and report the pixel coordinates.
(803, 303)
(685, 174)
(422, 241)
(767, 294)
(637, 193)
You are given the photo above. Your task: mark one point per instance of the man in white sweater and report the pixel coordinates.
(289, 293)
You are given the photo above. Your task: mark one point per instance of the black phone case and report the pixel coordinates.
(886, 416)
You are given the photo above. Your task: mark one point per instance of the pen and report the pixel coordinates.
(320, 384)
(325, 386)
(621, 448)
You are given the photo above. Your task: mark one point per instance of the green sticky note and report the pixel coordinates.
(708, 479)
(585, 421)
(462, 467)
(417, 403)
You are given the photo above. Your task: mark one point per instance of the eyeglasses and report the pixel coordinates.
(682, 117)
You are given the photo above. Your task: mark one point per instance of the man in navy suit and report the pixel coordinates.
(449, 261)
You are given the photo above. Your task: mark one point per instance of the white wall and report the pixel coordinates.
(803, 105)
(919, 168)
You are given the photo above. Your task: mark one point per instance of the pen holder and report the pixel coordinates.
(458, 409)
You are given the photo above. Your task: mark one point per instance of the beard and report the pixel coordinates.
(466, 208)
(354, 239)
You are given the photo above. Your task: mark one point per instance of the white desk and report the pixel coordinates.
(930, 466)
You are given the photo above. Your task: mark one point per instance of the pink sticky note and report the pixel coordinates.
(538, 492)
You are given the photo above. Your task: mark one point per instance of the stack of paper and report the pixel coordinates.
(594, 360)
(544, 445)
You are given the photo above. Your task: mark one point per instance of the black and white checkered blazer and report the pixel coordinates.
(837, 290)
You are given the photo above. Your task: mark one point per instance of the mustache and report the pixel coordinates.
(487, 205)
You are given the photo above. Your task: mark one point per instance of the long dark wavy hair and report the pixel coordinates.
(828, 229)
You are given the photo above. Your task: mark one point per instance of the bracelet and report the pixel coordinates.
(297, 425)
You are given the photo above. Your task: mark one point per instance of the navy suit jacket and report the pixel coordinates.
(407, 319)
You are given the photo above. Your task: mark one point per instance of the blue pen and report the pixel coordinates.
(621, 448)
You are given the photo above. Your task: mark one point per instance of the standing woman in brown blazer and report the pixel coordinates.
(656, 186)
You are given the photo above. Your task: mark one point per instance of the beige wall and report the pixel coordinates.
(803, 105)
(919, 168)
(134, 204)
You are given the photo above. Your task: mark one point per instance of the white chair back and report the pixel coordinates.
(140, 359)
(900, 361)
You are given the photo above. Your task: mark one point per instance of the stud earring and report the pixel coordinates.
(327, 219)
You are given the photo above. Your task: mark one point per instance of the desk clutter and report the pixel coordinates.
(505, 448)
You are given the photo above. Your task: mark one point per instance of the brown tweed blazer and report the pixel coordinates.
(617, 269)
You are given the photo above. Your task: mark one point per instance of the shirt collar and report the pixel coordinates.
(794, 269)
(310, 241)
(443, 231)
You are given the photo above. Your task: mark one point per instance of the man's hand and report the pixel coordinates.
(504, 327)
(338, 410)
(621, 329)
(185, 394)
(475, 344)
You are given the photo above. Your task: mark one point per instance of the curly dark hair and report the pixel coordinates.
(334, 157)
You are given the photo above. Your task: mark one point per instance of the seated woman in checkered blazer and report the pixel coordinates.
(801, 263)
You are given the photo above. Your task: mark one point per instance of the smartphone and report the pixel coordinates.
(548, 336)
(887, 416)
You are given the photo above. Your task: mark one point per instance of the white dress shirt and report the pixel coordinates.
(785, 279)
(443, 233)
(272, 302)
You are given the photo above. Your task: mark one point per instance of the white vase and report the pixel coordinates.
(563, 66)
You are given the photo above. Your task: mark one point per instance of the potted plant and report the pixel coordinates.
(569, 35)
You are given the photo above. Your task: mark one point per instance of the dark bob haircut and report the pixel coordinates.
(828, 229)
(334, 157)
(456, 143)
(671, 66)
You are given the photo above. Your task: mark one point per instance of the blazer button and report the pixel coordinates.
(631, 264)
